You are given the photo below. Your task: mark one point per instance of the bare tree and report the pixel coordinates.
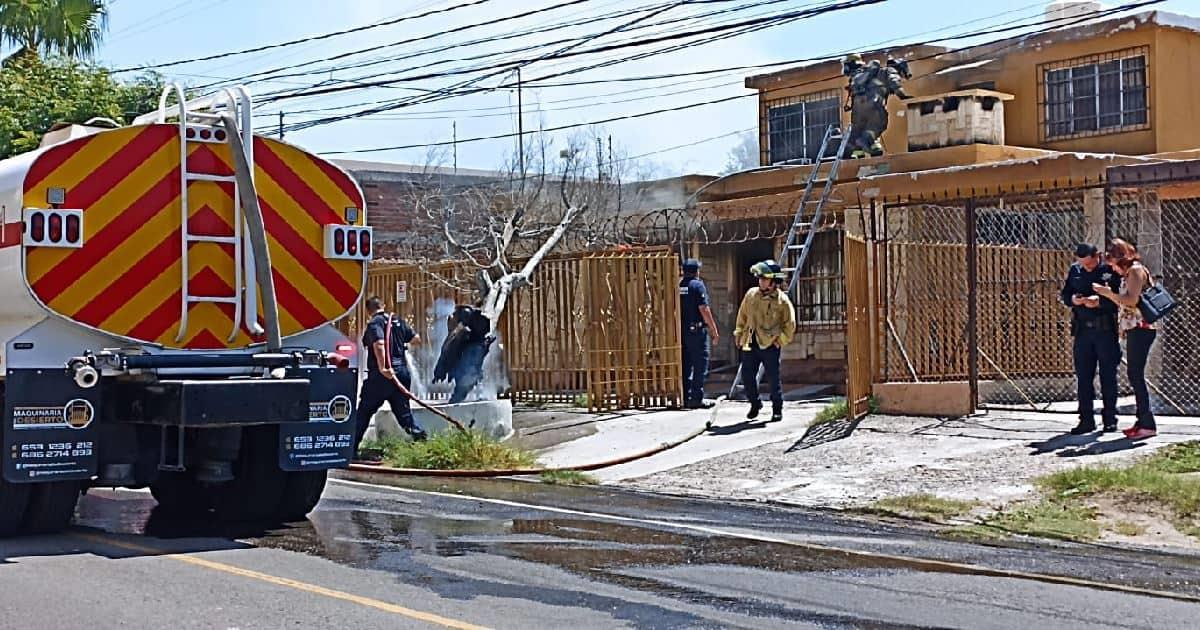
(568, 198)
(744, 154)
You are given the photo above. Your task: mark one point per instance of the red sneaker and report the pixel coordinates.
(1139, 433)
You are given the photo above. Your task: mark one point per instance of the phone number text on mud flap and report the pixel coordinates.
(320, 442)
(55, 450)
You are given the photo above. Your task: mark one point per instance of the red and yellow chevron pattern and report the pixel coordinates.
(126, 279)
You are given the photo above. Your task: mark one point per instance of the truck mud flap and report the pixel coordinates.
(327, 439)
(50, 427)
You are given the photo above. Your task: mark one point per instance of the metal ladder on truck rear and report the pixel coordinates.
(805, 225)
(199, 126)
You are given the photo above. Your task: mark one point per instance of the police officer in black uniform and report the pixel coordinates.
(379, 386)
(1094, 327)
(698, 329)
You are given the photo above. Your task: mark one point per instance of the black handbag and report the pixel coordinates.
(1155, 303)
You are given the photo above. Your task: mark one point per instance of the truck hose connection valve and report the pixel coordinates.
(86, 376)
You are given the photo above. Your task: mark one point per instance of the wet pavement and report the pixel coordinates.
(510, 554)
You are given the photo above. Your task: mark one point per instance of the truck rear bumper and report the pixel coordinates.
(213, 403)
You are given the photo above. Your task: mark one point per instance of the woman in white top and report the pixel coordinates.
(1139, 335)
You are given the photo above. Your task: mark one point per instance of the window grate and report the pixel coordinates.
(796, 125)
(1094, 95)
(820, 292)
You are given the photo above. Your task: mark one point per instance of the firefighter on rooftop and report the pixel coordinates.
(766, 322)
(870, 85)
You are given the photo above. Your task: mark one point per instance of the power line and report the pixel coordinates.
(968, 35)
(511, 35)
(435, 95)
(1075, 20)
(445, 91)
(303, 40)
(773, 20)
(506, 108)
(428, 36)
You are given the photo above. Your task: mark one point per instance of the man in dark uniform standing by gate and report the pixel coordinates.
(1094, 328)
(698, 329)
(384, 363)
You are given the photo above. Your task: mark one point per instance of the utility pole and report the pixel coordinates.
(520, 127)
(599, 159)
(454, 143)
(281, 125)
(612, 165)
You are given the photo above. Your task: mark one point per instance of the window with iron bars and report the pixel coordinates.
(820, 290)
(795, 126)
(1095, 95)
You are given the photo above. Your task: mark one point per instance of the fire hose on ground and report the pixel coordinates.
(511, 472)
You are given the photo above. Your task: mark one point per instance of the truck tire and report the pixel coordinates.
(51, 507)
(180, 494)
(14, 499)
(258, 485)
(301, 494)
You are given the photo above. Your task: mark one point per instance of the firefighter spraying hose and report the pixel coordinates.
(404, 390)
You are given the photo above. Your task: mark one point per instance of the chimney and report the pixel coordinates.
(955, 118)
(1070, 9)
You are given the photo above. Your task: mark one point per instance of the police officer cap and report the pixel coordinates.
(691, 264)
(1084, 250)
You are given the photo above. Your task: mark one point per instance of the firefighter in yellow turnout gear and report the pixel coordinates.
(766, 322)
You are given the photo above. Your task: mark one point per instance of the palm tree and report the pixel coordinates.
(69, 27)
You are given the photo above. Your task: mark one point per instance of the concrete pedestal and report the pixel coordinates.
(490, 417)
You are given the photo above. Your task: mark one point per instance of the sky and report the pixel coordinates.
(156, 31)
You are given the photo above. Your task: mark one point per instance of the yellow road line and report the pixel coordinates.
(286, 582)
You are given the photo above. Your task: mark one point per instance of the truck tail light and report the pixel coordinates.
(37, 227)
(73, 229)
(339, 242)
(53, 227)
(348, 242)
(56, 228)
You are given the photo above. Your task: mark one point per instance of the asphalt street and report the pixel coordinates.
(506, 554)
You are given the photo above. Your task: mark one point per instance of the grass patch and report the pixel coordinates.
(925, 507)
(1147, 479)
(1125, 528)
(976, 533)
(567, 478)
(1156, 480)
(837, 410)
(1050, 519)
(452, 450)
(1183, 457)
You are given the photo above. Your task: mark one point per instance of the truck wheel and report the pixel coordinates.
(258, 485)
(301, 494)
(51, 507)
(180, 494)
(14, 498)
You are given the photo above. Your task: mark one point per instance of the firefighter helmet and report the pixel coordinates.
(853, 58)
(767, 269)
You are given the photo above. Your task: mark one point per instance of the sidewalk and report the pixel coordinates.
(988, 458)
(992, 458)
(625, 434)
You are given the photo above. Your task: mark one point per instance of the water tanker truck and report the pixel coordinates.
(167, 297)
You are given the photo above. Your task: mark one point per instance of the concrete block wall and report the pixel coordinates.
(954, 119)
(823, 343)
